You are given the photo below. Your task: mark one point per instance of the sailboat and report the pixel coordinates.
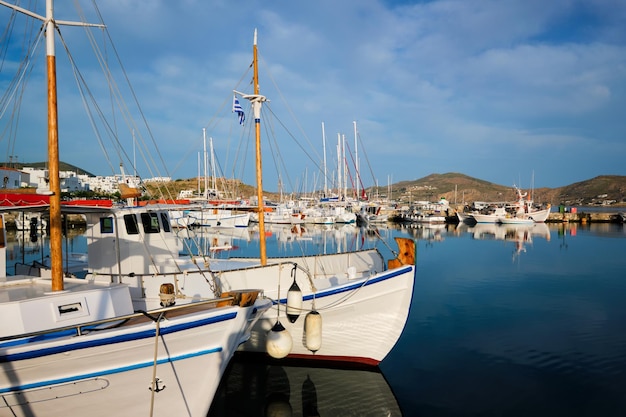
(85, 347)
(362, 301)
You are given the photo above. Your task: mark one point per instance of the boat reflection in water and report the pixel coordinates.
(253, 387)
(521, 234)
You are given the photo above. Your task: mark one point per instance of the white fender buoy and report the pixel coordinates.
(279, 342)
(313, 331)
(278, 407)
(294, 302)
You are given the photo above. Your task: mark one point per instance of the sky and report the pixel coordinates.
(526, 92)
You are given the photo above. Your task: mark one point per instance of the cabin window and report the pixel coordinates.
(166, 222)
(150, 222)
(106, 225)
(130, 220)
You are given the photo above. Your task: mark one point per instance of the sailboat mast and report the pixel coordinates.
(339, 160)
(56, 244)
(204, 162)
(356, 162)
(256, 105)
(213, 170)
(324, 150)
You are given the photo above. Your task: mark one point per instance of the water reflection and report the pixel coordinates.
(519, 234)
(286, 388)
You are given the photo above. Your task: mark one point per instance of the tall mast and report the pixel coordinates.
(344, 163)
(324, 150)
(56, 244)
(198, 176)
(256, 100)
(356, 162)
(204, 163)
(213, 170)
(339, 157)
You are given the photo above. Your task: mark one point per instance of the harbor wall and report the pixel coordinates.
(582, 217)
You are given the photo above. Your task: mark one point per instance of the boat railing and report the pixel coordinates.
(154, 315)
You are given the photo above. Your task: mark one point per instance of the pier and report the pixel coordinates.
(582, 217)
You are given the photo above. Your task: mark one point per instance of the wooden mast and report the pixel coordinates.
(54, 183)
(256, 102)
(56, 244)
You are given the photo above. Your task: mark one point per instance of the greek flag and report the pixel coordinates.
(237, 109)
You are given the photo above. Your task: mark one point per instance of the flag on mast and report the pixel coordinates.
(237, 109)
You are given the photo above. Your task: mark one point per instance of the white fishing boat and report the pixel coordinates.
(343, 216)
(363, 302)
(519, 212)
(286, 213)
(181, 219)
(516, 220)
(465, 217)
(208, 216)
(85, 347)
(490, 215)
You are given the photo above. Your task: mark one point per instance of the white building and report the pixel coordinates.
(13, 178)
(109, 184)
(69, 181)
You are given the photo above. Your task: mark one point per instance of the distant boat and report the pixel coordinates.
(516, 220)
(519, 212)
(491, 215)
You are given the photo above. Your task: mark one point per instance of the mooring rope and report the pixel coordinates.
(154, 366)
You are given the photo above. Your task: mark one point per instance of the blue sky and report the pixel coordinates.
(505, 91)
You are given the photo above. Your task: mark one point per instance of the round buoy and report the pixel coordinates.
(294, 302)
(279, 342)
(313, 331)
(278, 406)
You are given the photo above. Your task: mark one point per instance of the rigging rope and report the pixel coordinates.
(153, 385)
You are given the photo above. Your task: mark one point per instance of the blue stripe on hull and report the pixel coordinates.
(356, 285)
(113, 340)
(105, 372)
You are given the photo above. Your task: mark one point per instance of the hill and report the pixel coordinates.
(456, 187)
(459, 188)
(63, 166)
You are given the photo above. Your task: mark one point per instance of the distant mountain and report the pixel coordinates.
(63, 166)
(456, 187)
(603, 187)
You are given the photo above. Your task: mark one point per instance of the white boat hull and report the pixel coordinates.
(362, 318)
(227, 219)
(487, 218)
(516, 220)
(110, 371)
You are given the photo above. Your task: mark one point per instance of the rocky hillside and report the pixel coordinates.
(454, 187)
(459, 187)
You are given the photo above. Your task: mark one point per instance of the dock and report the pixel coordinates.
(582, 217)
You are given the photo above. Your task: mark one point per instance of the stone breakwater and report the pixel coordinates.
(582, 217)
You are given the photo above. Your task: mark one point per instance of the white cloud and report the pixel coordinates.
(431, 84)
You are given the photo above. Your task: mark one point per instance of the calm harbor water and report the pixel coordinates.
(505, 321)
